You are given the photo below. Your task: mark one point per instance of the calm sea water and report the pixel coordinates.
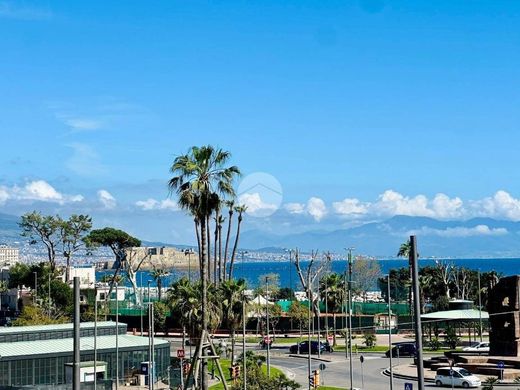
(252, 271)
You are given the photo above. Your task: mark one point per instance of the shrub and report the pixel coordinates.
(369, 339)
(434, 344)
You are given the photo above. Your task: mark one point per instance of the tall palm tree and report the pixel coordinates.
(332, 286)
(221, 272)
(200, 176)
(240, 210)
(230, 204)
(232, 295)
(158, 275)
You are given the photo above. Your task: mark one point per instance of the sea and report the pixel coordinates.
(252, 271)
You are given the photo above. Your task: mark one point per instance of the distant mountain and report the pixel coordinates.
(9, 229)
(479, 237)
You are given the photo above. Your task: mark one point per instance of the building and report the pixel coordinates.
(86, 275)
(163, 257)
(8, 255)
(40, 355)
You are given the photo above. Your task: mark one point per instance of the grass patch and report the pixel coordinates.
(226, 364)
(331, 388)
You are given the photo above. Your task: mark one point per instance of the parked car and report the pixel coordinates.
(402, 349)
(460, 377)
(304, 347)
(266, 341)
(477, 347)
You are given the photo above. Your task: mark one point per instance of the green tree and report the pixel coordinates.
(369, 339)
(42, 229)
(333, 291)
(299, 313)
(160, 312)
(72, 234)
(365, 273)
(120, 243)
(200, 177)
(232, 298)
(268, 284)
(35, 315)
(158, 275)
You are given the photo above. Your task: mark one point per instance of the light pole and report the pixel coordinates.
(149, 298)
(309, 318)
(95, 337)
(479, 307)
(142, 302)
(242, 253)
(189, 252)
(350, 315)
(268, 341)
(117, 336)
(244, 320)
(390, 333)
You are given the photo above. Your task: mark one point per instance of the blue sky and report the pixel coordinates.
(383, 103)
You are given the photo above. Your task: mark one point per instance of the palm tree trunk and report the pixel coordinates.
(67, 270)
(334, 324)
(159, 288)
(215, 248)
(198, 244)
(208, 238)
(220, 271)
(233, 254)
(204, 281)
(233, 345)
(227, 243)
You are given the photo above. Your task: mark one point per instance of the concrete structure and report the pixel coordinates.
(39, 355)
(164, 257)
(86, 274)
(8, 255)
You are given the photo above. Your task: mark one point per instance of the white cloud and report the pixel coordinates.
(350, 206)
(106, 199)
(500, 205)
(295, 208)
(445, 207)
(255, 205)
(83, 123)
(37, 190)
(393, 203)
(153, 204)
(316, 208)
(461, 231)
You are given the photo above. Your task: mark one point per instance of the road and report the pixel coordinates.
(336, 372)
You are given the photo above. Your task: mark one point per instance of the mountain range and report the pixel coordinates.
(478, 237)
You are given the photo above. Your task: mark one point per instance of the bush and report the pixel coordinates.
(451, 338)
(369, 339)
(434, 344)
(490, 383)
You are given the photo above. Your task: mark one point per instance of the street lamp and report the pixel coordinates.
(350, 314)
(189, 252)
(35, 286)
(390, 333)
(267, 323)
(242, 253)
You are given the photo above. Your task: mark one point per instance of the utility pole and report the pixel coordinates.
(95, 337)
(309, 361)
(350, 317)
(244, 320)
(242, 253)
(479, 307)
(76, 344)
(268, 341)
(390, 333)
(417, 314)
(117, 336)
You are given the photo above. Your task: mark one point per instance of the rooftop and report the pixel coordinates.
(461, 315)
(65, 346)
(56, 327)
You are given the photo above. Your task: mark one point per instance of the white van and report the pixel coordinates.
(460, 377)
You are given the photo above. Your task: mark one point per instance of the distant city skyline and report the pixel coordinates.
(359, 110)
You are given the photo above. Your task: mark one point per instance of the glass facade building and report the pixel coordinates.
(42, 361)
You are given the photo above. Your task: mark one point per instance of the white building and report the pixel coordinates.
(8, 255)
(86, 274)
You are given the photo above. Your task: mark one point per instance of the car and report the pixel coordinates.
(402, 349)
(304, 347)
(477, 347)
(456, 376)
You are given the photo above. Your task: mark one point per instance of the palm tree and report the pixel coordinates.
(332, 286)
(231, 208)
(232, 295)
(158, 275)
(240, 210)
(200, 176)
(221, 271)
